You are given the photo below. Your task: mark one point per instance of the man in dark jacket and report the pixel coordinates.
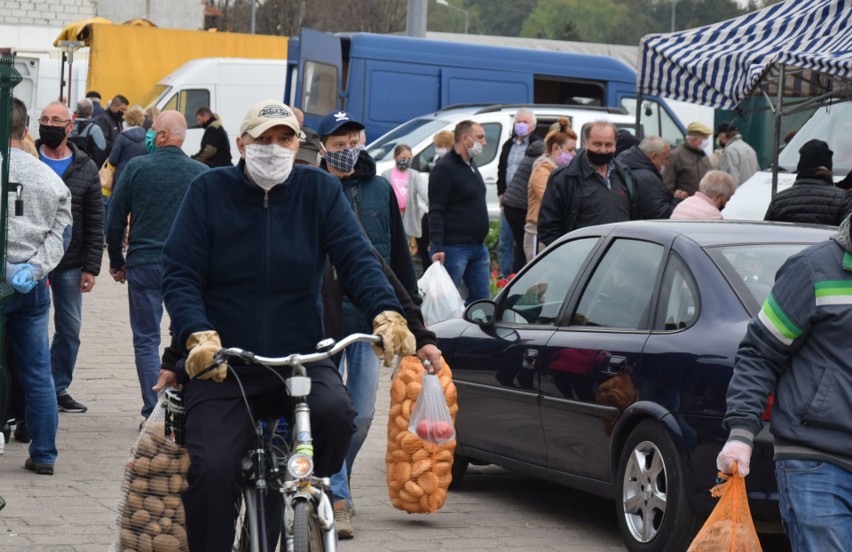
(593, 189)
(515, 199)
(510, 250)
(375, 206)
(796, 349)
(458, 215)
(149, 190)
(645, 162)
(110, 120)
(813, 197)
(76, 272)
(688, 162)
(242, 267)
(215, 148)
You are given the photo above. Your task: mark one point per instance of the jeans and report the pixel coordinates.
(146, 313)
(505, 247)
(27, 319)
(469, 263)
(362, 381)
(67, 321)
(816, 504)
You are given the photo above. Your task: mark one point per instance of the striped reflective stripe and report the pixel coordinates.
(833, 292)
(777, 322)
(719, 65)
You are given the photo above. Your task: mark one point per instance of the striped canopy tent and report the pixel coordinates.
(804, 44)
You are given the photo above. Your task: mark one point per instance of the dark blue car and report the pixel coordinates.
(604, 364)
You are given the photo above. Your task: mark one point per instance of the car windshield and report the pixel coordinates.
(832, 124)
(153, 95)
(411, 133)
(753, 265)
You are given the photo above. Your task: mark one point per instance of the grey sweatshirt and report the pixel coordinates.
(39, 235)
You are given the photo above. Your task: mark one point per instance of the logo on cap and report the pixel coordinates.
(273, 111)
(341, 116)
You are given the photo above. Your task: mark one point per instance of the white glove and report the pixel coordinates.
(734, 453)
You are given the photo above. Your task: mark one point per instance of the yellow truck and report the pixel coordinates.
(129, 59)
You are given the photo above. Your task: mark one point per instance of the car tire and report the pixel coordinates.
(654, 512)
(460, 464)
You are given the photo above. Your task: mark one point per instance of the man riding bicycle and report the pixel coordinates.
(243, 267)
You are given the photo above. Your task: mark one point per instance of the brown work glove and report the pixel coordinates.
(202, 346)
(396, 339)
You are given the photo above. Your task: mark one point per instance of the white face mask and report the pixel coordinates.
(269, 165)
(441, 151)
(705, 143)
(475, 149)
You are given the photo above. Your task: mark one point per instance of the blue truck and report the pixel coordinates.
(386, 80)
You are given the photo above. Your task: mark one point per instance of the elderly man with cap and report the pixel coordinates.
(738, 158)
(375, 206)
(688, 162)
(242, 267)
(813, 197)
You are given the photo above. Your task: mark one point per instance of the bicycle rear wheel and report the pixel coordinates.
(307, 532)
(246, 516)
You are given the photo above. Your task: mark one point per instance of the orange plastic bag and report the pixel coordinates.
(419, 472)
(729, 527)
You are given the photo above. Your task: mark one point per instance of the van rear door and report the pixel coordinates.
(314, 81)
(465, 86)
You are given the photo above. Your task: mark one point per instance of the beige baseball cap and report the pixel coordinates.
(267, 114)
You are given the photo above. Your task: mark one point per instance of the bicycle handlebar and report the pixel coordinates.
(290, 360)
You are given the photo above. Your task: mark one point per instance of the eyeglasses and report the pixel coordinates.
(54, 121)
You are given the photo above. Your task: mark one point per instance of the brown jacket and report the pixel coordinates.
(686, 168)
(542, 167)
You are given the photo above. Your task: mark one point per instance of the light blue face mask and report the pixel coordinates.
(150, 136)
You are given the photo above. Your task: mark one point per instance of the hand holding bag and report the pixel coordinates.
(441, 299)
(107, 172)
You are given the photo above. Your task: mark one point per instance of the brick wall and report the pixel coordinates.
(55, 13)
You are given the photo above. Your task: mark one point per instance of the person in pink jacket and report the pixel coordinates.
(714, 192)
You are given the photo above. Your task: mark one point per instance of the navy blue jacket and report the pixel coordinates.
(249, 264)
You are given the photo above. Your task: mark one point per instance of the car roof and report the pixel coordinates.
(710, 233)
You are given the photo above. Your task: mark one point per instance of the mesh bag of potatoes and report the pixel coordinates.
(418, 471)
(729, 527)
(151, 516)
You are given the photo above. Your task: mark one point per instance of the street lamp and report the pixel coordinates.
(464, 11)
(673, 14)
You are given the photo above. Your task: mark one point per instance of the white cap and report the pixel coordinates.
(267, 114)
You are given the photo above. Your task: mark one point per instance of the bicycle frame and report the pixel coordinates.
(298, 482)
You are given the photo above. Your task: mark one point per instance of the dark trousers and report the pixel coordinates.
(516, 218)
(423, 243)
(219, 432)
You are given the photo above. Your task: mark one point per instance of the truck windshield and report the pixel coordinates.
(832, 124)
(153, 95)
(411, 133)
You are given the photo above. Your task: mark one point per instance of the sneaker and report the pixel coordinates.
(41, 469)
(21, 433)
(67, 404)
(343, 520)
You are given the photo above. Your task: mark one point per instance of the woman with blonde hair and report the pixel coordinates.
(560, 148)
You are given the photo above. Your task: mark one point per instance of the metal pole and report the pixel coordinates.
(253, 10)
(465, 21)
(673, 14)
(415, 21)
(778, 105)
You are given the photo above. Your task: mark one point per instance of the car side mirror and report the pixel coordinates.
(480, 312)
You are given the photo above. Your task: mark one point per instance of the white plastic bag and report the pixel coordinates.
(441, 299)
(430, 415)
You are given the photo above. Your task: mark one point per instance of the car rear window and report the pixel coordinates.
(751, 268)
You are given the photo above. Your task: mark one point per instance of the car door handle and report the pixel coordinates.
(616, 365)
(530, 359)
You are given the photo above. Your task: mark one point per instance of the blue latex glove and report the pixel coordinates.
(23, 278)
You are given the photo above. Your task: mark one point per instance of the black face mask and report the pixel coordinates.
(51, 136)
(599, 159)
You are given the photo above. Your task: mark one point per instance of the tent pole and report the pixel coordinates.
(778, 108)
(638, 114)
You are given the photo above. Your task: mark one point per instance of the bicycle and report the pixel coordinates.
(287, 465)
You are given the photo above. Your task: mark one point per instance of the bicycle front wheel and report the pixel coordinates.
(307, 532)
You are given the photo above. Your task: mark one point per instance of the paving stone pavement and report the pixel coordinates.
(75, 510)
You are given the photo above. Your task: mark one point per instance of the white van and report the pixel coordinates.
(228, 86)
(831, 124)
(498, 123)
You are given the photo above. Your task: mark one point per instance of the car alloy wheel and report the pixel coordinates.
(654, 512)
